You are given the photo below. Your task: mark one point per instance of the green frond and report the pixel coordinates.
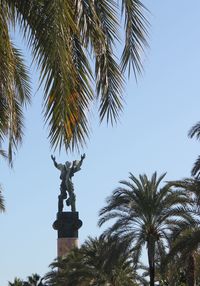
(196, 168)
(14, 91)
(64, 68)
(66, 114)
(99, 261)
(195, 131)
(3, 153)
(2, 204)
(191, 187)
(60, 34)
(187, 242)
(21, 78)
(108, 19)
(136, 26)
(109, 81)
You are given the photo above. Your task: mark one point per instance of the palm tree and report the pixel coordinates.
(61, 35)
(186, 239)
(98, 262)
(34, 280)
(17, 282)
(185, 246)
(145, 214)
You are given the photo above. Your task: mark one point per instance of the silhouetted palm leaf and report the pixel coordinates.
(195, 132)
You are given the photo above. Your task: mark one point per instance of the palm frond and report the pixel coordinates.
(109, 85)
(21, 78)
(2, 204)
(64, 67)
(196, 168)
(136, 33)
(99, 261)
(14, 90)
(195, 131)
(59, 34)
(185, 243)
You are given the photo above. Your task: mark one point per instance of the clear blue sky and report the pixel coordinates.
(151, 135)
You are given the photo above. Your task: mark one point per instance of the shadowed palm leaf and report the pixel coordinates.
(2, 206)
(195, 132)
(16, 282)
(183, 252)
(33, 280)
(192, 188)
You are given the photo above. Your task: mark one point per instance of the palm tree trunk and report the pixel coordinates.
(151, 256)
(190, 273)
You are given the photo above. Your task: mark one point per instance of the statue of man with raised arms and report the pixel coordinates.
(67, 171)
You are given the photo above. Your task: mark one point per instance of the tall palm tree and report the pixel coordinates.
(63, 36)
(145, 213)
(98, 262)
(186, 239)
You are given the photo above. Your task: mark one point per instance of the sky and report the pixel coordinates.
(151, 136)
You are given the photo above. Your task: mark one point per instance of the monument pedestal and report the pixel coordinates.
(67, 225)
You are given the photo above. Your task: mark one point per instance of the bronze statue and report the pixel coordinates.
(67, 171)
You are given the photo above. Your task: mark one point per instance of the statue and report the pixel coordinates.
(67, 171)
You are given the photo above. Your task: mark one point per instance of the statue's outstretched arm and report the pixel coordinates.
(82, 158)
(77, 164)
(58, 166)
(54, 161)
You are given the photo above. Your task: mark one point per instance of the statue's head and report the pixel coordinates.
(67, 164)
(75, 163)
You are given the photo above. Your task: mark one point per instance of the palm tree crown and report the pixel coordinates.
(99, 261)
(186, 239)
(16, 282)
(145, 214)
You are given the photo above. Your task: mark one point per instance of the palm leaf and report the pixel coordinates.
(14, 91)
(2, 205)
(59, 34)
(136, 26)
(195, 131)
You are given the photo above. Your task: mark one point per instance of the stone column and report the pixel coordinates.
(67, 225)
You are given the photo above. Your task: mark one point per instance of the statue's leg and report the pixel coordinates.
(68, 202)
(73, 202)
(64, 194)
(60, 204)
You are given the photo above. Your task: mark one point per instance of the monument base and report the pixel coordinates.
(65, 244)
(67, 225)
